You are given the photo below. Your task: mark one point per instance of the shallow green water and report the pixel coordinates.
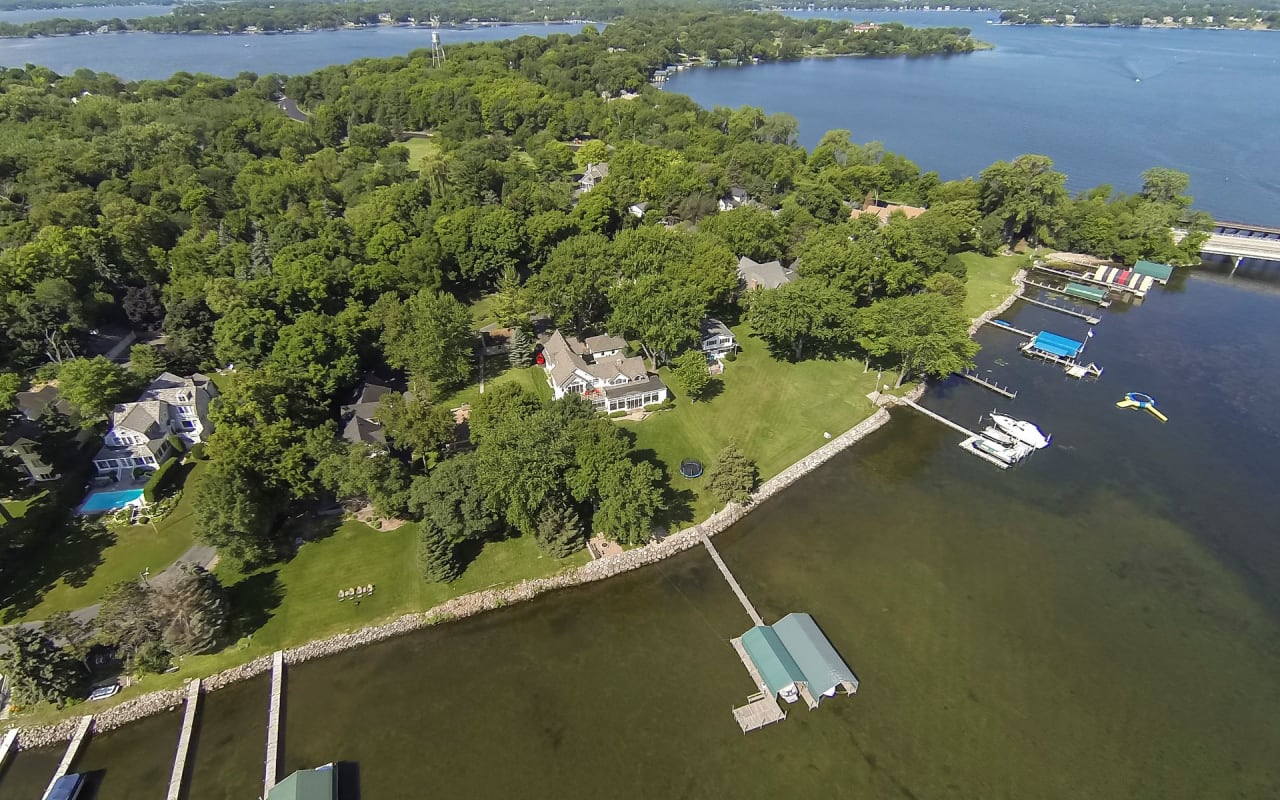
(1098, 623)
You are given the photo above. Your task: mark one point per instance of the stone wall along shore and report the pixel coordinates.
(477, 602)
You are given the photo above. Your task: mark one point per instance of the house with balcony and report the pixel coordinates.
(140, 431)
(599, 370)
(21, 442)
(716, 339)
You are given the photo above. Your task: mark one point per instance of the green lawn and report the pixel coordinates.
(419, 148)
(989, 280)
(130, 550)
(776, 411)
(532, 378)
(18, 508)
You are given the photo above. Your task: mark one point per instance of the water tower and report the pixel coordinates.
(437, 51)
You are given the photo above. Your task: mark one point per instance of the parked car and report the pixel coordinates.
(103, 692)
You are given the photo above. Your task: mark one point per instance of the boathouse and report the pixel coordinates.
(1052, 344)
(320, 783)
(1160, 272)
(781, 675)
(1094, 294)
(794, 660)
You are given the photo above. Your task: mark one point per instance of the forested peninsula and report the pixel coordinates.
(381, 302)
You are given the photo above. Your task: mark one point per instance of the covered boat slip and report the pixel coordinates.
(1125, 279)
(320, 783)
(1094, 294)
(1055, 345)
(1158, 272)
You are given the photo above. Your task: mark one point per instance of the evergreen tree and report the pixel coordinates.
(192, 610)
(559, 531)
(510, 301)
(437, 554)
(36, 667)
(691, 372)
(521, 350)
(733, 477)
(126, 618)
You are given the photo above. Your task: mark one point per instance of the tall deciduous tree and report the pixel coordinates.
(1025, 195)
(416, 426)
(798, 316)
(572, 286)
(92, 386)
(448, 497)
(630, 498)
(235, 513)
(691, 372)
(926, 331)
(430, 335)
(662, 314)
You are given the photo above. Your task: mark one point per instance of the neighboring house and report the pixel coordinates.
(495, 340)
(21, 442)
(593, 175)
(736, 198)
(171, 406)
(33, 403)
(717, 339)
(769, 275)
(359, 414)
(883, 211)
(637, 210)
(601, 373)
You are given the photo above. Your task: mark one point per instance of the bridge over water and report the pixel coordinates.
(1238, 240)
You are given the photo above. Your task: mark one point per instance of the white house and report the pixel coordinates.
(769, 275)
(593, 174)
(736, 198)
(717, 339)
(21, 442)
(601, 373)
(171, 405)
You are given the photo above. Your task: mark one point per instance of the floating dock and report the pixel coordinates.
(1071, 312)
(970, 445)
(1061, 351)
(184, 741)
(273, 722)
(73, 749)
(1004, 326)
(762, 708)
(988, 384)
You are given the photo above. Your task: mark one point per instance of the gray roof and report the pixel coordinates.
(711, 326)
(652, 384)
(769, 275)
(140, 417)
(597, 171)
(170, 387)
(602, 344)
(33, 403)
(360, 429)
(565, 361)
(20, 430)
(822, 666)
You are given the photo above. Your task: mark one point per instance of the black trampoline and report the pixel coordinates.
(690, 468)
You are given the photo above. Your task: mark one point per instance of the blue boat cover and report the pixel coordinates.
(1059, 346)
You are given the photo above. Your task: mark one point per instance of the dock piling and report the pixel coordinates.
(184, 740)
(733, 583)
(273, 722)
(989, 384)
(73, 749)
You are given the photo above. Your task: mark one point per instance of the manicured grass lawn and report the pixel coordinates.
(297, 601)
(532, 378)
(132, 549)
(776, 411)
(989, 280)
(418, 148)
(18, 508)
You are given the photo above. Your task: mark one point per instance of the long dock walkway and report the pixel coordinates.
(7, 746)
(73, 749)
(733, 583)
(1048, 287)
(273, 722)
(989, 384)
(1089, 318)
(1004, 326)
(184, 740)
(938, 417)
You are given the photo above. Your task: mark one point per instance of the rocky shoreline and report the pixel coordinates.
(477, 602)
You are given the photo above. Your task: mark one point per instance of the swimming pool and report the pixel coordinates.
(98, 502)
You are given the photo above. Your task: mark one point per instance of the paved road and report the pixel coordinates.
(290, 108)
(200, 554)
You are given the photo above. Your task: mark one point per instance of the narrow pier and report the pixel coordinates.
(968, 433)
(1004, 326)
(989, 384)
(1071, 312)
(184, 740)
(73, 749)
(733, 583)
(1066, 292)
(7, 746)
(273, 722)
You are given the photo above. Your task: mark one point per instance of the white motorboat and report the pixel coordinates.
(996, 435)
(1009, 455)
(1025, 432)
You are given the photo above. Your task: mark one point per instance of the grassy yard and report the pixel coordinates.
(776, 411)
(532, 378)
(418, 149)
(101, 560)
(988, 280)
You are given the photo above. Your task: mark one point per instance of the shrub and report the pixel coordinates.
(196, 453)
(732, 355)
(159, 482)
(174, 441)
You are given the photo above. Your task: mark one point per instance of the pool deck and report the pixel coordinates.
(89, 506)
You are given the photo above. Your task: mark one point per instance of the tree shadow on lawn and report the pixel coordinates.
(677, 499)
(252, 601)
(60, 548)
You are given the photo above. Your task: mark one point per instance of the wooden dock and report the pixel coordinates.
(761, 709)
(7, 746)
(1116, 287)
(1071, 312)
(184, 740)
(1064, 292)
(988, 384)
(968, 446)
(1070, 366)
(273, 722)
(73, 749)
(1004, 326)
(733, 583)
(968, 433)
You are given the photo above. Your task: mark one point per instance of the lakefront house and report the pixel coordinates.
(599, 370)
(139, 434)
